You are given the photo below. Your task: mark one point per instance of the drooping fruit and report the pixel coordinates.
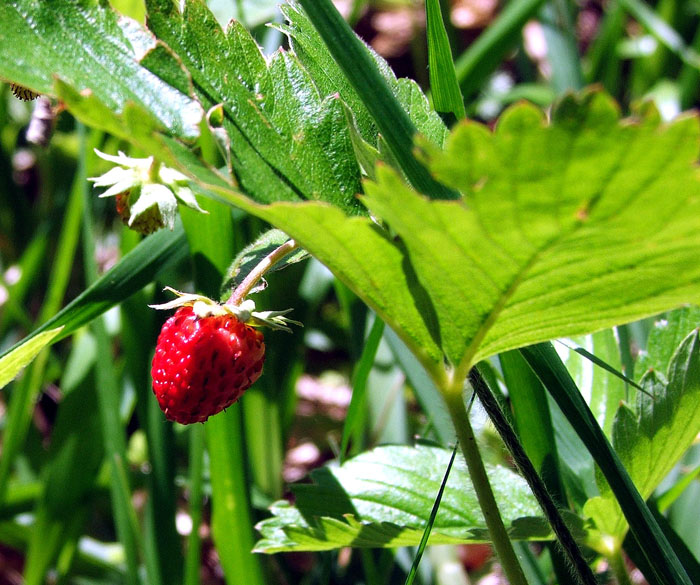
(204, 364)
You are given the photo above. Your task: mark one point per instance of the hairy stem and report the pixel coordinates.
(482, 487)
(242, 290)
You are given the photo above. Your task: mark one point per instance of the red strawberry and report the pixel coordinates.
(204, 364)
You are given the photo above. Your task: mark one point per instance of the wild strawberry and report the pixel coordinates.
(203, 364)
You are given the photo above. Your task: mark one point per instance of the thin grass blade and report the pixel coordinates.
(446, 94)
(562, 51)
(109, 397)
(431, 520)
(193, 557)
(662, 31)
(603, 364)
(392, 121)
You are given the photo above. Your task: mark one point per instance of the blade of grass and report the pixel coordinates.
(155, 254)
(231, 521)
(109, 394)
(529, 400)
(193, 558)
(355, 414)
(562, 52)
(531, 566)
(431, 520)
(545, 362)
(211, 240)
(161, 541)
(394, 124)
(665, 500)
(484, 56)
(634, 549)
(444, 88)
(425, 390)
(31, 262)
(75, 456)
(602, 364)
(689, 78)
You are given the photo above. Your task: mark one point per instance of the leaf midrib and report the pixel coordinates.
(472, 349)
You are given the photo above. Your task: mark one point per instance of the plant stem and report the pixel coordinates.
(581, 571)
(242, 290)
(482, 487)
(617, 564)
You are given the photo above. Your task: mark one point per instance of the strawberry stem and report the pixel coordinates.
(242, 290)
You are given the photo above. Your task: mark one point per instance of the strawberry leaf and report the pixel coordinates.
(664, 339)
(288, 141)
(603, 228)
(372, 501)
(652, 437)
(90, 47)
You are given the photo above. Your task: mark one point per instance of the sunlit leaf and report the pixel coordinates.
(372, 501)
(652, 437)
(12, 363)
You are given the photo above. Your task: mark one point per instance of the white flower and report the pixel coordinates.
(148, 192)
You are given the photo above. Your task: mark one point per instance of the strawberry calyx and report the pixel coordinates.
(244, 311)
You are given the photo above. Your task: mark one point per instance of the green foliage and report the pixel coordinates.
(372, 501)
(328, 76)
(467, 243)
(12, 363)
(135, 270)
(446, 94)
(287, 140)
(651, 437)
(589, 238)
(98, 55)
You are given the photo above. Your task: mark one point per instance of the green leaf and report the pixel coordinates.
(248, 258)
(359, 67)
(565, 228)
(665, 337)
(17, 358)
(329, 78)
(447, 96)
(90, 47)
(372, 501)
(658, 552)
(651, 438)
(288, 142)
